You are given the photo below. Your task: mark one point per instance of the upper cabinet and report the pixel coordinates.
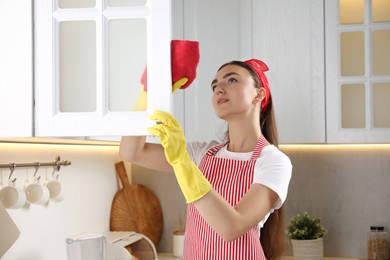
(89, 60)
(16, 73)
(223, 36)
(358, 71)
(89, 57)
(292, 46)
(289, 37)
(329, 65)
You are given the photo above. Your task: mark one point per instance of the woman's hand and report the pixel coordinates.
(191, 180)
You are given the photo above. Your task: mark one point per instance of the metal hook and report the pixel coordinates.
(55, 168)
(12, 168)
(37, 166)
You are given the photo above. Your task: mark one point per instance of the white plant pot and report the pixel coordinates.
(312, 249)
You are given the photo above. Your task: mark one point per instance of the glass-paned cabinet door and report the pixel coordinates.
(358, 71)
(91, 59)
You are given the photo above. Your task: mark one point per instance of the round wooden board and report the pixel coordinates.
(136, 208)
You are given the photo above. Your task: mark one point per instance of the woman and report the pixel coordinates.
(235, 188)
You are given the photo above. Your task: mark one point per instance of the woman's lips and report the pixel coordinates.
(222, 100)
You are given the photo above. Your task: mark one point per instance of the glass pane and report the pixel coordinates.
(353, 104)
(77, 66)
(381, 52)
(76, 3)
(127, 59)
(381, 105)
(352, 53)
(126, 2)
(380, 11)
(351, 11)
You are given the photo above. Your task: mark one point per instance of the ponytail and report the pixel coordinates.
(273, 236)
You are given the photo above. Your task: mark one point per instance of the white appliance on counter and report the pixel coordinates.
(94, 247)
(108, 246)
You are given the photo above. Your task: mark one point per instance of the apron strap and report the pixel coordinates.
(256, 153)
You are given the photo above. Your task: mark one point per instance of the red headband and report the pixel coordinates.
(259, 67)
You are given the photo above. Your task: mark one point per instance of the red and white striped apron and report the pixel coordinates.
(231, 179)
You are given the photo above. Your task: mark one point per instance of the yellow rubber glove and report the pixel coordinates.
(178, 84)
(140, 103)
(191, 180)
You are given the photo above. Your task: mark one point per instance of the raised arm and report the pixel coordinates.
(134, 149)
(229, 222)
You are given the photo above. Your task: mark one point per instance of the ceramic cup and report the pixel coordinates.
(56, 190)
(37, 193)
(178, 243)
(12, 197)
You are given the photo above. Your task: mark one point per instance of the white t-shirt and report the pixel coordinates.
(272, 169)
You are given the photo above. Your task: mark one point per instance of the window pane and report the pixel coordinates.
(76, 3)
(381, 52)
(352, 53)
(127, 59)
(381, 106)
(353, 104)
(77, 66)
(380, 11)
(351, 11)
(126, 2)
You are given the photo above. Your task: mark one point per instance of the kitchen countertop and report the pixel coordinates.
(169, 256)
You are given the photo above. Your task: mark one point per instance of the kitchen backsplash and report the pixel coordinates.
(90, 183)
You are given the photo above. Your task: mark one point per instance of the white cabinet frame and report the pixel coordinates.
(334, 80)
(49, 121)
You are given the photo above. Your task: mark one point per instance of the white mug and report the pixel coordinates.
(12, 197)
(37, 193)
(178, 243)
(56, 190)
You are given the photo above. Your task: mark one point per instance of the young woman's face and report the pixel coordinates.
(234, 92)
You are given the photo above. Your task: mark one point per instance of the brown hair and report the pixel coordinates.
(273, 236)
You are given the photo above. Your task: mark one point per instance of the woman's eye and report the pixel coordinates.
(232, 80)
(213, 87)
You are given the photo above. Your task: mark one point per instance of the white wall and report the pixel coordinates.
(90, 182)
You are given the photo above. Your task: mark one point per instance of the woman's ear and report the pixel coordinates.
(260, 95)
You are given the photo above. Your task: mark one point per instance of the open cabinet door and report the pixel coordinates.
(89, 59)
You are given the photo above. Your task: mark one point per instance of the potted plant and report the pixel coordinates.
(306, 235)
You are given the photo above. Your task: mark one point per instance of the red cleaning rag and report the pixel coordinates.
(184, 62)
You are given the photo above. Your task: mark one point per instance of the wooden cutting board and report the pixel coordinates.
(136, 208)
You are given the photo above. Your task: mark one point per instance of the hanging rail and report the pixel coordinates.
(57, 164)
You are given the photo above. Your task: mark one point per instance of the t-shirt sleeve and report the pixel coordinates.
(197, 150)
(273, 169)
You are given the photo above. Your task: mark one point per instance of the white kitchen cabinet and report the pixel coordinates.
(16, 104)
(358, 71)
(289, 37)
(222, 28)
(89, 58)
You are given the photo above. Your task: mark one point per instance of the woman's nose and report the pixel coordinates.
(219, 89)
